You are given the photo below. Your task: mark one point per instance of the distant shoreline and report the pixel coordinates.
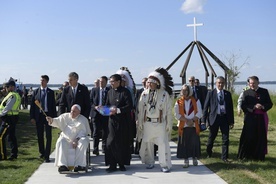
(176, 84)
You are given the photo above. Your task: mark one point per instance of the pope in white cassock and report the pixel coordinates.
(75, 128)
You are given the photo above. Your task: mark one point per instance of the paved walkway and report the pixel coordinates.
(136, 173)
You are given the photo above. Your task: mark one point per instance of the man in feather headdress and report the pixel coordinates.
(155, 119)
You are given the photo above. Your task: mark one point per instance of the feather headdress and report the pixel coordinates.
(162, 78)
(126, 75)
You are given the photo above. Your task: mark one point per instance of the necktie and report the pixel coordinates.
(43, 95)
(221, 101)
(74, 92)
(103, 97)
(194, 93)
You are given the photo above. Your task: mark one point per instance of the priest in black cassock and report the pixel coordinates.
(255, 104)
(118, 141)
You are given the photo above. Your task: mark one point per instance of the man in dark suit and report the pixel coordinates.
(218, 109)
(198, 92)
(100, 123)
(46, 97)
(75, 93)
(203, 89)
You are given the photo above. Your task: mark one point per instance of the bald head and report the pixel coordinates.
(192, 81)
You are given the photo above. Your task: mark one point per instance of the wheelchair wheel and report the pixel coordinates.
(87, 158)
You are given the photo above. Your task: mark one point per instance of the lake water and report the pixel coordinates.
(238, 88)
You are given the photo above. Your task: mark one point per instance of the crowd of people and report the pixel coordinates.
(138, 121)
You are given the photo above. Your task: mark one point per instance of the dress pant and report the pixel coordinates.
(220, 123)
(41, 126)
(100, 130)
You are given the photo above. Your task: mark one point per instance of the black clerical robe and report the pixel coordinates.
(118, 140)
(253, 140)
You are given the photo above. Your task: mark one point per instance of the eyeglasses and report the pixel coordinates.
(191, 80)
(112, 81)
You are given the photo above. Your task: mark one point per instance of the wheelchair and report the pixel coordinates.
(71, 161)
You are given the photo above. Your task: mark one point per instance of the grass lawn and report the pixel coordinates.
(19, 170)
(253, 172)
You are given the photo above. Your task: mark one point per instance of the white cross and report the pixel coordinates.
(194, 25)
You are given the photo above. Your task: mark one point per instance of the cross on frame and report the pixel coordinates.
(195, 25)
(202, 49)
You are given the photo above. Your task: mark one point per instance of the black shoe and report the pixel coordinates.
(62, 168)
(209, 154)
(122, 168)
(12, 158)
(47, 160)
(79, 168)
(96, 152)
(111, 169)
(3, 159)
(225, 160)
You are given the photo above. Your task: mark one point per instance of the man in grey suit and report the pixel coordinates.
(218, 109)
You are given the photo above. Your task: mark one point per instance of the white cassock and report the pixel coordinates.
(71, 129)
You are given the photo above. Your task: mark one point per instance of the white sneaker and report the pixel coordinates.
(150, 166)
(186, 163)
(195, 162)
(165, 169)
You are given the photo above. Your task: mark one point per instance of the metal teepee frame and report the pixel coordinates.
(202, 50)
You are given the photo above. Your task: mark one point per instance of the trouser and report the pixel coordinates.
(7, 129)
(42, 125)
(220, 122)
(100, 130)
(164, 155)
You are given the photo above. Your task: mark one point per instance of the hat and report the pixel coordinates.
(162, 78)
(127, 77)
(10, 83)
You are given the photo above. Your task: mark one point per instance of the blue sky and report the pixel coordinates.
(97, 37)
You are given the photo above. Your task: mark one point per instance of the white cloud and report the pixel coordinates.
(193, 6)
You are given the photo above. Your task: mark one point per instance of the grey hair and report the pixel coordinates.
(74, 75)
(189, 89)
(221, 78)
